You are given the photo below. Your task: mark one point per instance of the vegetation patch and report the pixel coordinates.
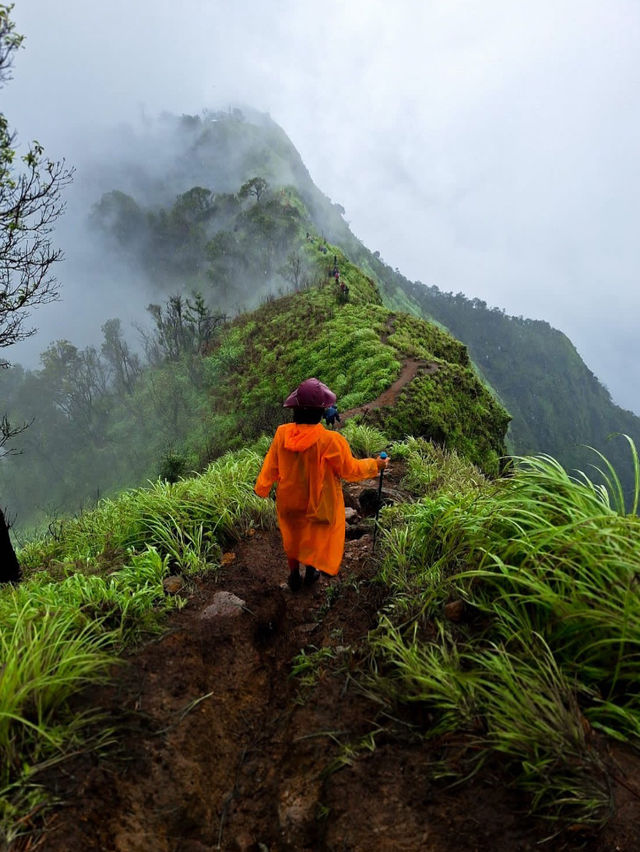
(514, 620)
(453, 409)
(95, 587)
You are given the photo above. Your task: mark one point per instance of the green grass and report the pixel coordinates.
(358, 350)
(92, 589)
(308, 665)
(187, 520)
(432, 469)
(545, 564)
(365, 441)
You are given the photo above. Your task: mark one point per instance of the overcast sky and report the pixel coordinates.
(488, 146)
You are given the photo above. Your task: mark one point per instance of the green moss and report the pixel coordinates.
(421, 339)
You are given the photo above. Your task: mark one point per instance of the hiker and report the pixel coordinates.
(331, 415)
(307, 462)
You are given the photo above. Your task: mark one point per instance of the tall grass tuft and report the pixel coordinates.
(45, 657)
(188, 520)
(431, 468)
(365, 441)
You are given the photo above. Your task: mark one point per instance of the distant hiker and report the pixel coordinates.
(307, 462)
(331, 415)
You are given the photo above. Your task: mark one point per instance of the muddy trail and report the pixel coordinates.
(410, 369)
(221, 745)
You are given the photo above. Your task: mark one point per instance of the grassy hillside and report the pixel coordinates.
(357, 348)
(556, 402)
(201, 228)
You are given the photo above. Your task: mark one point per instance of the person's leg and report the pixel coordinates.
(311, 574)
(295, 580)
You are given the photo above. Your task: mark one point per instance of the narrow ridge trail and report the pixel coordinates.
(216, 746)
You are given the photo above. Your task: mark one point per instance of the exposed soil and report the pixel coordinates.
(410, 369)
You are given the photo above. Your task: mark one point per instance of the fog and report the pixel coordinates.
(488, 148)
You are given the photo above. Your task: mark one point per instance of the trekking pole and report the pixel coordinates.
(383, 455)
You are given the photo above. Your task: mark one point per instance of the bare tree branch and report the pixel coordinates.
(30, 203)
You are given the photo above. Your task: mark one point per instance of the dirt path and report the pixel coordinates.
(220, 748)
(410, 369)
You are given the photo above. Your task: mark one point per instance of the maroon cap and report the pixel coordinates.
(310, 394)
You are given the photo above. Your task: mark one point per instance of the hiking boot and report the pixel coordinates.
(311, 575)
(295, 581)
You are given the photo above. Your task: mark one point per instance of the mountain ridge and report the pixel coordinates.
(487, 639)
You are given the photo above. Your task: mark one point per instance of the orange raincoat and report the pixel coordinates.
(307, 462)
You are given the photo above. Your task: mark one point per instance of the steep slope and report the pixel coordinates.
(556, 402)
(211, 384)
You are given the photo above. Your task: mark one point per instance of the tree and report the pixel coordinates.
(118, 215)
(30, 203)
(195, 205)
(125, 364)
(257, 186)
(77, 380)
(183, 327)
(293, 270)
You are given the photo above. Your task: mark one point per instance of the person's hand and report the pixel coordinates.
(383, 463)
